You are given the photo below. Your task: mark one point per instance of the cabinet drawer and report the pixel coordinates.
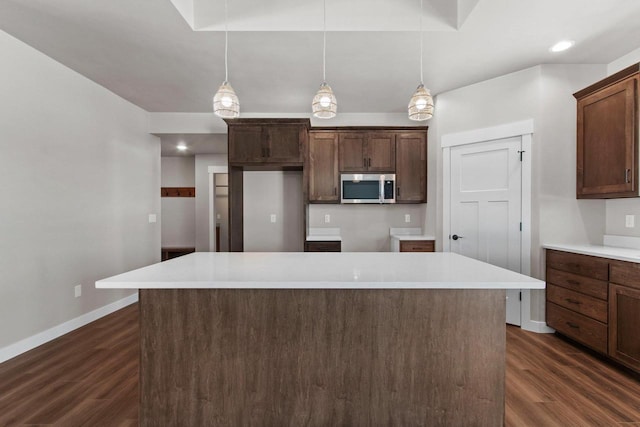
(584, 265)
(581, 328)
(585, 285)
(580, 303)
(625, 273)
(417, 246)
(325, 246)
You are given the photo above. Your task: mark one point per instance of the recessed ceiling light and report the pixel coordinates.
(562, 45)
(181, 147)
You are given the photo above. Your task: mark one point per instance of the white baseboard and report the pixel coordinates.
(537, 326)
(13, 350)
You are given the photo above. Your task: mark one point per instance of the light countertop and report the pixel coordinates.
(321, 270)
(622, 254)
(414, 237)
(324, 234)
(324, 238)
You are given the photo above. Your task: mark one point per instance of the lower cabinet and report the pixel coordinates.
(323, 246)
(596, 301)
(417, 246)
(624, 313)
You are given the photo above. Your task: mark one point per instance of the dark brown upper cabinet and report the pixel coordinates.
(367, 151)
(267, 141)
(411, 167)
(324, 183)
(607, 137)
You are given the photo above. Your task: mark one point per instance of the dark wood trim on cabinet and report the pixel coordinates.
(178, 192)
(417, 245)
(614, 78)
(323, 246)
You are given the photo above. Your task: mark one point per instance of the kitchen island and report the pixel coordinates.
(322, 339)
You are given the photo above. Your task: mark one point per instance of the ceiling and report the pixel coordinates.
(195, 143)
(148, 53)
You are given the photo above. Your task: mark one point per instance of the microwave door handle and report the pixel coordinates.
(381, 191)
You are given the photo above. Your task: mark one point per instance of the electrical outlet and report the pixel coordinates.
(152, 218)
(407, 218)
(629, 221)
(327, 218)
(273, 217)
(77, 290)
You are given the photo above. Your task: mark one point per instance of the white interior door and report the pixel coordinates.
(486, 207)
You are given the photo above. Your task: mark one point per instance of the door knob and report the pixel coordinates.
(456, 237)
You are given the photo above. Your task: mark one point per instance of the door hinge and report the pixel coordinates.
(520, 226)
(519, 296)
(520, 152)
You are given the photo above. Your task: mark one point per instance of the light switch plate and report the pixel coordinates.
(152, 218)
(327, 218)
(629, 221)
(407, 218)
(77, 291)
(273, 217)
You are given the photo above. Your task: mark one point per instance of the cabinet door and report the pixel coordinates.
(381, 152)
(411, 167)
(283, 144)
(624, 318)
(323, 167)
(352, 152)
(246, 144)
(607, 142)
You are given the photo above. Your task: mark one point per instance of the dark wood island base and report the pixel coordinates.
(322, 357)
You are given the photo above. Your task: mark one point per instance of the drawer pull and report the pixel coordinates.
(572, 301)
(572, 325)
(573, 282)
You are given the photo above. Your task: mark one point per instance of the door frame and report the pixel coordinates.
(212, 203)
(524, 130)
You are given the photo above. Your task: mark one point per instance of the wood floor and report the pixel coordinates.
(90, 378)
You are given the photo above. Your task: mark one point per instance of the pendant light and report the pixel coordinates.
(225, 101)
(421, 103)
(324, 105)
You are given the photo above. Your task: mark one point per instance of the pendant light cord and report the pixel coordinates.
(421, 79)
(226, 42)
(324, 40)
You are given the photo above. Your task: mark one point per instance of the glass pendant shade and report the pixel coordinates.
(225, 102)
(421, 104)
(324, 105)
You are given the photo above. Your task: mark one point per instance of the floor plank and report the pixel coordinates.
(89, 377)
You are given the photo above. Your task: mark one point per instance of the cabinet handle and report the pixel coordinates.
(572, 301)
(364, 162)
(572, 325)
(627, 175)
(369, 165)
(335, 191)
(398, 192)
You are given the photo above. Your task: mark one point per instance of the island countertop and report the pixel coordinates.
(300, 270)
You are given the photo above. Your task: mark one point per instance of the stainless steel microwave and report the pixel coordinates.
(368, 188)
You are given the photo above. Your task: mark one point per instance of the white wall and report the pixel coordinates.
(617, 209)
(544, 94)
(365, 228)
(623, 62)
(267, 193)
(203, 162)
(80, 175)
(178, 213)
